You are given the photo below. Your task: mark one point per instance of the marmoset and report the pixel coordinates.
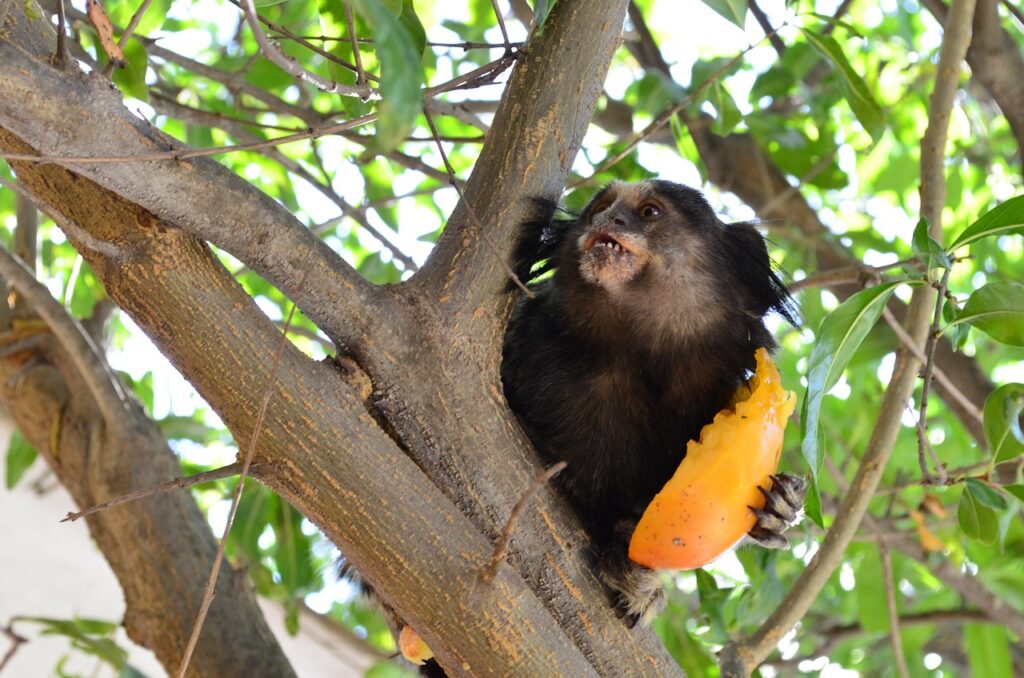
(641, 334)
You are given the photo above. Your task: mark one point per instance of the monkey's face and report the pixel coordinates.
(650, 233)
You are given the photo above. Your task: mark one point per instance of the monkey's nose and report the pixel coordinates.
(618, 220)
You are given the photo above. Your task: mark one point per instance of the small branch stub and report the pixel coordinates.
(501, 548)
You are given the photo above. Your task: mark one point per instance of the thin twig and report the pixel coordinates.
(845, 275)
(665, 116)
(179, 483)
(369, 41)
(62, 28)
(762, 21)
(476, 77)
(292, 67)
(890, 604)
(87, 358)
(501, 548)
(940, 376)
(127, 34)
(929, 367)
(472, 213)
(173, 108)
(211, 583)
(186, 153)
(350, 20)
(501, 25)
(306, 42)
(16, 642)
(1015, 11)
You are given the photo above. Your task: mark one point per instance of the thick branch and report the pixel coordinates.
(533, 140)
(97, 375)
(51, 107)
(46, 393)
(995, 60)
(321, 448)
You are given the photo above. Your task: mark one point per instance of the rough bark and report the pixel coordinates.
(159, 546)
(995, 60)
(416, 503)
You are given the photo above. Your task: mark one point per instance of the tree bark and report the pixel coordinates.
(404, 451)
(158, 545)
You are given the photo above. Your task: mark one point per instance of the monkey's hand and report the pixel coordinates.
(783, 508)
(637, 592)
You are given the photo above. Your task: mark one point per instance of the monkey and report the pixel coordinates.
(645, 316)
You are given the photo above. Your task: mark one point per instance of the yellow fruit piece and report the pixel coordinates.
(412, 646)
(703, 510)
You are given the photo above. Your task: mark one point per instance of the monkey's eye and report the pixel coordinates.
(598, 209)
(649, 211)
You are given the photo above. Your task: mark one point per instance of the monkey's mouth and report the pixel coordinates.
(612, 259)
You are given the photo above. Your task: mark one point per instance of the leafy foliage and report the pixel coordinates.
(839, 111)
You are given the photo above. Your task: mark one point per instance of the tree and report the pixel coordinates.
(401, 449)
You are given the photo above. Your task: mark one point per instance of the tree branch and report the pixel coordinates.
(103, 384)
(255, 228)
(741, 657)
(995, 60)
(293, 68)
(534, 138)
(736, 163)
(93, 462)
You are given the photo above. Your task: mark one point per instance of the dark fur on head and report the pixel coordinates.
(644, 331)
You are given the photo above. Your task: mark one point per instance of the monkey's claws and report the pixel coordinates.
(783, 508)
(637, 592)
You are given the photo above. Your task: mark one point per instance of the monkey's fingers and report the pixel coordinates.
(783, 508)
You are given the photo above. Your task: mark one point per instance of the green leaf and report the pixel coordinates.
(689, 653)
(861, 101)
(401, 72)
(734, 11)
(727, 113)
(20, 455)
(1016, 490)
(984, 494)
(872, 614)
(988, 651)
(129, 671)
(957, 333)
(1002, 422)
(997, 310)
(386, 669)
(928, 249)
(132, 78)
(977, 520)
(1007, 217)
(176, 427)
(837, 340)
(812, 504)
(87, 635)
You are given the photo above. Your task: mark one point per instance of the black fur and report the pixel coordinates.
(615, 380)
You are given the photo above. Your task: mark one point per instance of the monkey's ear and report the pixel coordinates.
(753, 271)
(539, 239)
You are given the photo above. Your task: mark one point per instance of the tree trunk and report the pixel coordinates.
(403, 451)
